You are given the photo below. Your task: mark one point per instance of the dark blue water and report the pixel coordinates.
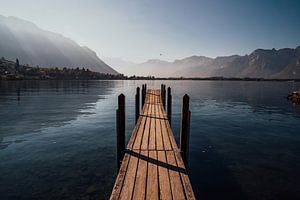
(57, 138)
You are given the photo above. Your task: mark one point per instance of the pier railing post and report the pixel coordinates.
(161, 91)
(143, 94)
(144, 91)
(120, 119)
(137, 104)
(163, 95)
(169, 110)
(185, 128)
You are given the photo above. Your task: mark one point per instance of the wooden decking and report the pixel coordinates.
(152, 167)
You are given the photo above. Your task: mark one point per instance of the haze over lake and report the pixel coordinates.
(57, 138)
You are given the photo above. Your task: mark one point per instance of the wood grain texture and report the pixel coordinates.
(152, 167)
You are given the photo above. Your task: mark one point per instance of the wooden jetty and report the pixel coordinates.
(152, 166)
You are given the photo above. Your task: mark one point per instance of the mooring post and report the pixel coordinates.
(137, 104)
(161, 91)
(185, 129)
(143, 95)
(120, 119)
(164, 96)
(165, 93)
(145, 92)
(169, 110)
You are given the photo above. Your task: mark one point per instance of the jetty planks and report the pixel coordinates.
(152, 167)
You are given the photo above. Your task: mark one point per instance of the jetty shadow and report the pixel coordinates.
(163, 118)
(155, 161)
(153, 94)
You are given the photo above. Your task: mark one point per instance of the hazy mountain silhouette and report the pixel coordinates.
(31, 45)
(34, 46)
(282, 63)
(119, 64)
(194, 66)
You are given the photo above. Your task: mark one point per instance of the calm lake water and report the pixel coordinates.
(57, 138)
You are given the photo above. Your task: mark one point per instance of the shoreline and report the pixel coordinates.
(166, 79)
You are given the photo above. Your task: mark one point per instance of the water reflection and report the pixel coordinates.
(57, 138)
(53, 138)
(27, 106)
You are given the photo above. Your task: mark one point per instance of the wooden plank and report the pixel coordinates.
(171, 136)
(184, 177)
(158, 94)
(149, 99)
(152, 136)
(158, 132)
(169, 140)
(145, 141)
(159, 137)
(141, 177)
(169, 131)
(150, 96)
(158, 97)
(128, 185)
(120, 178)
(165, 136)
(140, 133)
(164, 179)
(152, 177)
(135, 130)
(146, 101)
(147, 96)
(175, 180)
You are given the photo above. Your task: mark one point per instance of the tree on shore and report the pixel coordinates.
(17, 66)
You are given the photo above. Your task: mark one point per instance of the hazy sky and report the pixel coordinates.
(137, 30)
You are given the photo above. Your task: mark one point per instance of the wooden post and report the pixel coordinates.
(164, 96)
(137, 104)
(145, 92)
(169, 106)
(143, 95)
(161, 91)
(185, 129)
(120, 118)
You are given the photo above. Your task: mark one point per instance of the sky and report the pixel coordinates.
(138, 30)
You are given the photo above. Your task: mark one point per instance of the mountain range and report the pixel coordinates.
(279, 64)
(32, 45)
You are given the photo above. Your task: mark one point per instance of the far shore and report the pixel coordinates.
(153, 78)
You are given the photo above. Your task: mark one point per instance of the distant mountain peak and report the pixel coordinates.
(35, 46)
(18, 22)
(155, 61)
(197, 57)
(261, 63)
